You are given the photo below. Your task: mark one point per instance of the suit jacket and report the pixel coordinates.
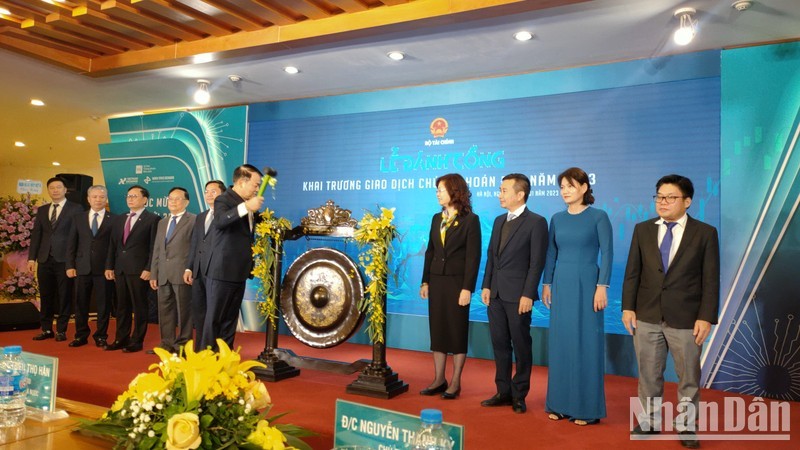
(132, 257)
(47, 239)
(690, 289)
(461, 252)
(515, 270)
(200, 251)
(169, 259)
(85, 252)
(232, 258)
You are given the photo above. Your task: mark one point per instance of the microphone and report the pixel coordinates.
(270, 177)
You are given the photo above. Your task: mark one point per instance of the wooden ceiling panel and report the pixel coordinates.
(106, 37)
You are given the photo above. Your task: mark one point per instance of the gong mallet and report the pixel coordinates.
(269, 174)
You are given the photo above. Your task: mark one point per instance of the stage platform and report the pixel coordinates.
(89, 374)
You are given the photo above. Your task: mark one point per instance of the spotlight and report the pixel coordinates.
(523, 36)
(291, 70)
(396, 56)
(201, 95)
(688, 27)
(36, 102)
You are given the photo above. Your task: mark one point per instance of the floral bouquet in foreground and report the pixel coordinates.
(204, 400)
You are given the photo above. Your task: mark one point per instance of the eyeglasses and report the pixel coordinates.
(132, 196)
(175, 199)
(212, 191)
(670, 199)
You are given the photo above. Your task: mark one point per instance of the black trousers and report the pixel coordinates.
(222, 314)
(131, 298)
(511, 334)
(103, 293)
(199, 307)
(55, 291)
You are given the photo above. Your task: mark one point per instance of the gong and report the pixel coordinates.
(320, 296)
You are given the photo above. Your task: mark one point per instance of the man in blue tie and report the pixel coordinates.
(169, 260)
(670, 299)
(87, 248)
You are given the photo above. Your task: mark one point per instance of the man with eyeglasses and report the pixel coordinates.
(128, 264)
(670, 299)
(199, 258)
(170, 257)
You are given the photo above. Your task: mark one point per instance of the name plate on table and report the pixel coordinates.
(42, 372)
(382, 429)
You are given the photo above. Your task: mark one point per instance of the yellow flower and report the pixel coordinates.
(267, 437)
(183, 432)
(258, 395)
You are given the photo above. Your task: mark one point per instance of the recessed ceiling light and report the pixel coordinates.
(203, 58)
(56, 163)
(80, 138)
(36, 102)
(396, 56)
(5, 12)
(19, 144)
(291, 70)
(523, 36)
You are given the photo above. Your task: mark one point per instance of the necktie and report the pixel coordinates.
(666, 245)
(53, 214)
(94, 224)
(209, 218)
(170, 229)
(504, 230)
(127, 231)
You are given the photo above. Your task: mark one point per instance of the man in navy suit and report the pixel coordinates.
(199, 257)
(514, 265)
(87, 249)
(235, 217)
(49, 248)
(128, 264)
(670, 299)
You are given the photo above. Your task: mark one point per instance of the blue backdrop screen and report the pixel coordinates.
(625, 138)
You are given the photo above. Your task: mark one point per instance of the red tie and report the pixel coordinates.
(127, 231)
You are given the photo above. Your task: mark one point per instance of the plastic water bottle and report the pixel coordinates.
(431, 435)
(13, 387)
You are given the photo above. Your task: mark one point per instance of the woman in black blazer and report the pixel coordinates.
(448, 280)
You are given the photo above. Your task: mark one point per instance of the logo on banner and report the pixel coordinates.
(128, 180)
(139, 169)
(439, 127)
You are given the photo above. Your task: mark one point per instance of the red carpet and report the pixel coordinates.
(92, 375)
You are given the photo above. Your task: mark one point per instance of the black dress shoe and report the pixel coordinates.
(116, 345)
(61, 337)
(451, 395)
(518, 405)
(78, 343)
(639, 431)
(100, 342)
(44, 335)
(133, 348)
(433, 391)
(497, 400)
(689, 439)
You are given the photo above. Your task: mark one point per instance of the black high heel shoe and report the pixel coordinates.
(433, 391)
(451, 396)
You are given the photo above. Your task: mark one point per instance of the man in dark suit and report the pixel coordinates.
(235, 215)
(170, 256)
(199, 257)
(49, 248)
(128, 264)
(514, 265)
(87, 249)
(670, 299)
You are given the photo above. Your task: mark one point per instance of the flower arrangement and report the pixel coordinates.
(375, 232)
(203, 400)
(21, 285)
(16, 223)
(269, 237)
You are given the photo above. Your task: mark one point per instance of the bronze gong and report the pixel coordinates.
(320, 296)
